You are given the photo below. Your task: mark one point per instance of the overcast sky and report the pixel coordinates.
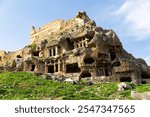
(130, 19)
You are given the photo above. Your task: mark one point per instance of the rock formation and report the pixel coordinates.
(140, 96)
(77, 49)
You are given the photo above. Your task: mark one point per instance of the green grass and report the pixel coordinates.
(25, 86)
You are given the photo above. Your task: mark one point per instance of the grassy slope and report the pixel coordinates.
(20, 85)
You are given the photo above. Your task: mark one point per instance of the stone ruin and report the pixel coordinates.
(76, 49)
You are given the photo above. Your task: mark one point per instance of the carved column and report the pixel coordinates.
(56, 50)
(54, 66)
(75, 45)
(52, 52)
(58, 65)
(46, 68)
(82, 43)
(79, 45)
(86, 43)
(64, 67)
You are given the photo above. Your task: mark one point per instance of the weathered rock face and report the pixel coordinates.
(140, 96)
(79, 49)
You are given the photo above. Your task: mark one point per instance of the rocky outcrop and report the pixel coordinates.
(77, 49)
(140, 96)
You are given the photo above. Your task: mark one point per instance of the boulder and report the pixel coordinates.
(69, 80)
(140, 96)
(123, 86)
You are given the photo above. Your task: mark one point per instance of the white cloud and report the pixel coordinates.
(147, 59)
(136, 16)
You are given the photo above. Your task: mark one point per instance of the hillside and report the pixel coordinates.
(25, 86)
